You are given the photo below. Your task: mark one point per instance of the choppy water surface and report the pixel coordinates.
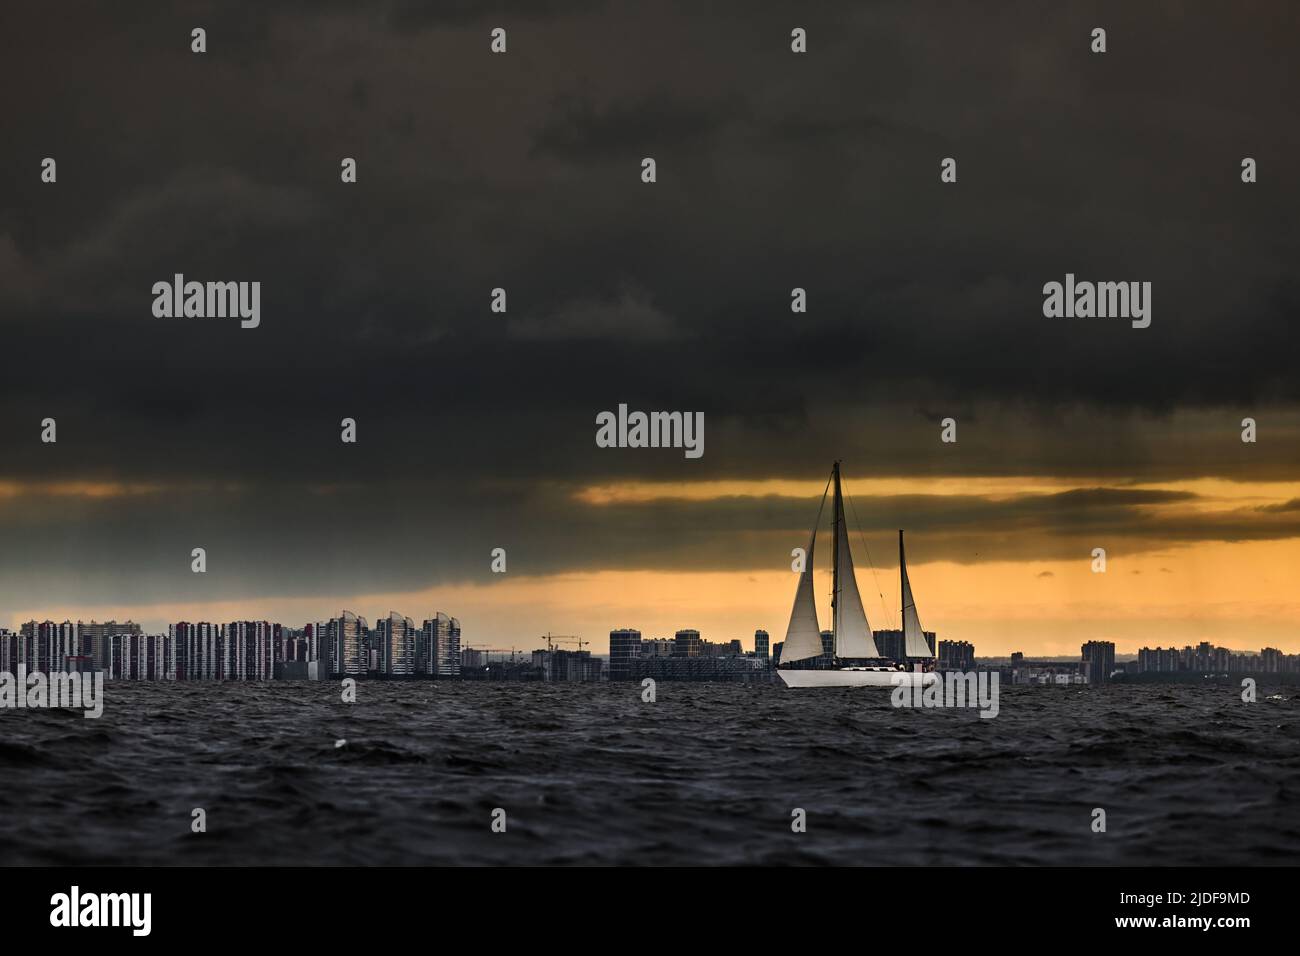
(708, 774)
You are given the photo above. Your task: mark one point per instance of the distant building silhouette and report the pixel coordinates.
(437, 649)
(199, 650)
(891, 644)
(1098, 660)
(349, 653)
(956, 656)
(624, 648)
(395, 637)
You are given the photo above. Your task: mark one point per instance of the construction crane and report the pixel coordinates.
(553, 639)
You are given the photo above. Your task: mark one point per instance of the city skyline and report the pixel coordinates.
(760, 642)
(395, 648)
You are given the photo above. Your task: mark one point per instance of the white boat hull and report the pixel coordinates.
(850, 677)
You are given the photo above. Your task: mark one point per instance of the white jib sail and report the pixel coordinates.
(803, 638)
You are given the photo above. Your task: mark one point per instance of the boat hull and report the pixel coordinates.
(848, 677)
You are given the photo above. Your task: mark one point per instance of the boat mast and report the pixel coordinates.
(902, 597)
(835, 564)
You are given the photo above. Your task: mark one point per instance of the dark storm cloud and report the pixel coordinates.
(322, 539)
(522, 171)
(423, 14)
(578, 131)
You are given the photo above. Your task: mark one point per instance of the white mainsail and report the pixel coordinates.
(852, 633)
(915, 644)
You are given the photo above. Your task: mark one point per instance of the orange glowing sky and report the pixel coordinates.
(1235, 593)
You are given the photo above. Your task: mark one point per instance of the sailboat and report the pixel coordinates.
(856, 661)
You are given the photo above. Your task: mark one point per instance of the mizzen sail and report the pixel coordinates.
(915, 644)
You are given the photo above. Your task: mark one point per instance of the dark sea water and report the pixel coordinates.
(708, 774)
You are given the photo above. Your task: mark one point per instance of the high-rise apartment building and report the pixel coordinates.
(395, 636)
(349, 653)
(199, 650)
(956, 655)
(1098, 660)
(148, 657)
(250, 650)
(624, 647)
(437, 650)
